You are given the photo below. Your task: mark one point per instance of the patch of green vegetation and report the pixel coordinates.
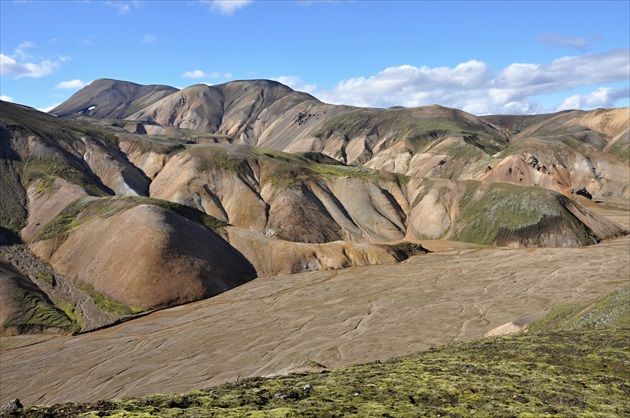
(612, 311)
(45, 185)
(13, 212)
(105, 137)
(49, 169)
(506, 210)
(621, 151)
(291, 170)
(147, 144)
(66, 221)
(420, 128)
(319, 158)
(107, 303)
(46, 277)
(462, 150)
(88, 208)
(73, 313)
(568, 373)
(209, 157)
(38, 313)
(346, 125)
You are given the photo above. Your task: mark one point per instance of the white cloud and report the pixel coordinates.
(197, 74)
(296, 83)
(225, 7)
(194, 74)
(557, 39)
(123, 7)
(6, 98)
(148, 39)
(48, 108)
(10, 67)
(602, 97)
(476, 88)
(21, 50)
(71, 85)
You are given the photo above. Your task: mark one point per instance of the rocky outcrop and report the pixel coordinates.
(273, 256)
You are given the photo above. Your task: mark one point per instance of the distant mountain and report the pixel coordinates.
(113, 99)
(566, 152)
(215, 185)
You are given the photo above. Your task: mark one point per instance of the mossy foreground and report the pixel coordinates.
(583, 372)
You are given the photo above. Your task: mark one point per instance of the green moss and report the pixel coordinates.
(346, 125)
(621, 150)
(612, 311)
(72, 312)
(107, 303)
(147, 144)
(419, 128)
(66, 221)
(49, 169)
(319, 158)
(290, 170)
(209, 157)
(88, 208)
(505, 210)
(13, 212)
(46, 277)
(37, 312)
(560, 374)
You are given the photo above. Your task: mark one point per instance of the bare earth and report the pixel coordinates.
(270, 325)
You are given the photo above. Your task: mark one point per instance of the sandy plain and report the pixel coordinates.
(274, 325)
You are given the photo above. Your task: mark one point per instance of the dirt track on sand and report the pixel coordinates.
(335, 318)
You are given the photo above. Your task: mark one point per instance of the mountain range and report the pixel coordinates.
(135, 198)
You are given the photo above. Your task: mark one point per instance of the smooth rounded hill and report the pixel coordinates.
(146, 256)
(113, 99)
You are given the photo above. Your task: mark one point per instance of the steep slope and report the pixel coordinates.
(293, 198)
(228, 109)
(569, 152)
(46, 147)
(25, 308)
(566, 152)
(505, 215)
(115, 99)
(144, 255)
(284, 195)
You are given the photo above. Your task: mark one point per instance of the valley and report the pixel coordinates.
(280, 324)
(162, 240)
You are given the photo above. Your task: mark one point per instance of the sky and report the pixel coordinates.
(492, 57)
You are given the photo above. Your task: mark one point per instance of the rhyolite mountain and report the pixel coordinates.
(144, 197)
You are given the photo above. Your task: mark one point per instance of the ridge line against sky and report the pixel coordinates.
(481, 57)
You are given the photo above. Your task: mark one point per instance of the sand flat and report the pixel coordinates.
(335, 318)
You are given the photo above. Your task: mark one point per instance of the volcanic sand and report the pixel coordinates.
(274, 324)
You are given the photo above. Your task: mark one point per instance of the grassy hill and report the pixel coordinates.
(574, 362)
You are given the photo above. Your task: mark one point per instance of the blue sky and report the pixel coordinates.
(482, 57)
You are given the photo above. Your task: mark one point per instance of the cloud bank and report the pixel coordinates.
(475, 87)
(197, 74)
(71, 85)
(11, 67)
